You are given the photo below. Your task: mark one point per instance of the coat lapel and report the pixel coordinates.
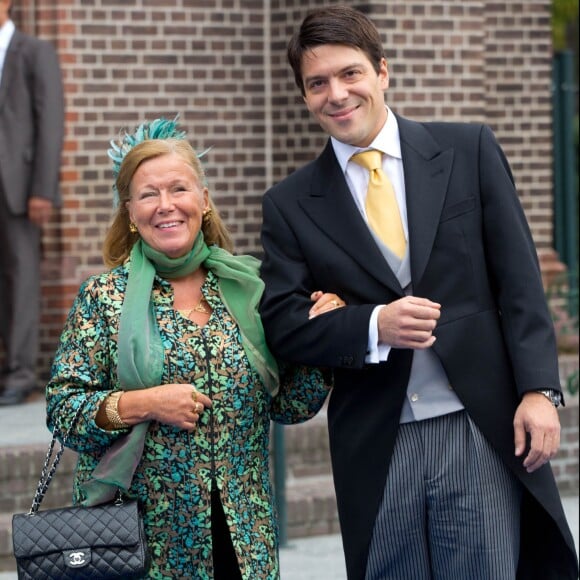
(329, 204)
(427, 169)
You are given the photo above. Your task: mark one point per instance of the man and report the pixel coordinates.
(443, 416)
(31, 137)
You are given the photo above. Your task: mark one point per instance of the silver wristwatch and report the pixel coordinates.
(554, 396)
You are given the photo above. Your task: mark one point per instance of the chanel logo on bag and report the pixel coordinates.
(77, 558)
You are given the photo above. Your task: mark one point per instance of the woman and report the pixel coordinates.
(167, 355)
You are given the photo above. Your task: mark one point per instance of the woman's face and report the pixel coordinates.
(166, 204)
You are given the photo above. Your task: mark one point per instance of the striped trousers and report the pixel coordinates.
(450, 510)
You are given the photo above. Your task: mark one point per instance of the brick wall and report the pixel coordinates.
(519, 101)
(565, 464)
(126, 61)
(221, 65)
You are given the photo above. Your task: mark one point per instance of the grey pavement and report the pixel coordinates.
(313, 558)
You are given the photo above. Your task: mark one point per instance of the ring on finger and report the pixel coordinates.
(194, 394)
(198, 407)
(334, 303)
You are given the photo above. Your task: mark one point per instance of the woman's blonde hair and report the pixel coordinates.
(119, 239)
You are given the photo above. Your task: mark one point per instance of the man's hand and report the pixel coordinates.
(39, 210)
(537, 416)
(409, 322)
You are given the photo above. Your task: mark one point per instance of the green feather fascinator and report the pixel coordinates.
(160, 128)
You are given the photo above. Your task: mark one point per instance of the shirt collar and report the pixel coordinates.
(6, 33)
(387, 141)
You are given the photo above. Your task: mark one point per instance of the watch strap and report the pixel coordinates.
(554, 396)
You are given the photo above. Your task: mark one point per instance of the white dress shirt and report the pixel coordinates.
(6, 33)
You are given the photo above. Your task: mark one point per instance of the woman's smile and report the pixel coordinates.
(167, 204)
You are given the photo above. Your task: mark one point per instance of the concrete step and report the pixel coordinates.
(310, 511)
(311, 505)
(306, 455)
(310, 499)
(307, 447)
(20, 469)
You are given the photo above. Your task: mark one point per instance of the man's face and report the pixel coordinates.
(344, 92)
(4, 8)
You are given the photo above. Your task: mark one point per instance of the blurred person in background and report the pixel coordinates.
(31, 140)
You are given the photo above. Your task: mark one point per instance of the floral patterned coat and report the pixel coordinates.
(230, 445)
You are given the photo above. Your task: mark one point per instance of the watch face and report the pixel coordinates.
(554, 396)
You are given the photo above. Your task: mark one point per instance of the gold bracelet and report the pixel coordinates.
(112, 411)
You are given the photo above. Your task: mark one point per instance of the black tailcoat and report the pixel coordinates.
(471, 251)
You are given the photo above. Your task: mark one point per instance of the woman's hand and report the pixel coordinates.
(174, 404)
(324, 302)
(180, 405)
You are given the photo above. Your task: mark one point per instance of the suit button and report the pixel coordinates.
(347, 361)
(414, 397)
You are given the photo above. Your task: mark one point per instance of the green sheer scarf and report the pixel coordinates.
(140, 352)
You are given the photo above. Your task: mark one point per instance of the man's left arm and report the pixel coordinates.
(48, 99)
(527, 325)
(339, 338)
(537, 416)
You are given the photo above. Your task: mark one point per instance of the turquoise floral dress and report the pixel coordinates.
(230, 446)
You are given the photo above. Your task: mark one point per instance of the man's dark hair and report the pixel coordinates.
(334, 25)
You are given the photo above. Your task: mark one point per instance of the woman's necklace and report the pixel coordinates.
(199, 307)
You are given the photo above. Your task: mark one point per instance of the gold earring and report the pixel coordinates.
(133, 228)
(206, 216)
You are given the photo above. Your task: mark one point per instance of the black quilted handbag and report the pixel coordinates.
(96, 543)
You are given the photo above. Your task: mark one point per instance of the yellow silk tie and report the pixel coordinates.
(381, 204)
